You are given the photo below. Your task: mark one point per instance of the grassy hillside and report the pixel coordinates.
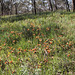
(38, 45)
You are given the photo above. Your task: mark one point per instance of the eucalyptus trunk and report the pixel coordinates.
(34, 7)
(16, 6)
(50, 3)
(73, 5)
(55, 5)
(2, 7)
(11, 7)
(67, 5)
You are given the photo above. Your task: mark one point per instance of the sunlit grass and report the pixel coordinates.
(38, 45)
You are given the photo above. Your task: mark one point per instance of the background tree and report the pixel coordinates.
(43, 2)
(2, 6)
(56, 5)
(34, 7)
(50, 3)
(67, 5)
(11, 5)
(73, 5)
(16, 5)
(6, 8)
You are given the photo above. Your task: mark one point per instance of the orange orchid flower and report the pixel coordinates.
(47, 28)
(48, 51)
(12, 32)
(68, 55)
(11, 62)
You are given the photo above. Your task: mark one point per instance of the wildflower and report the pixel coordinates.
(45, 60)
(50, 42)
(47, 28)
(56, 29)
(29, 41)
(48, 51)
(10, 48)
(18, 59)
(67, 43)
(39, 44)
(13, 71)
(40, 39)
(39, 28)
(12, 51)
(13, 41)
(70, 44)
(2, 30)
(0, 60)
(40, 24)
(30, 50)
(19, 52)
(47, 47)
(32, 29)
(60, 35)
(34, 49)
(0, 48)
(13, 35)
(27, 29)
(6, 62)
(32, 24)
(63, 46)
(34, 52)
(4, 44)
(24, 50)
(12, 32)
(39, 66)
(11, 62)
(52, 57)
(19, 49)
(68, 55)
(0, 65)
(42, 35)
(8, 55)
(52, 39)
(33, 34)
(37, 37)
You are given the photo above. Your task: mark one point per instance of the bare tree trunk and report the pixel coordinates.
(34, 7)
(51, 5)
(16, 5)
(73, 5)
(67, 5)
(43, 2)
(11, 7)
(55, 5)
(2, 4)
